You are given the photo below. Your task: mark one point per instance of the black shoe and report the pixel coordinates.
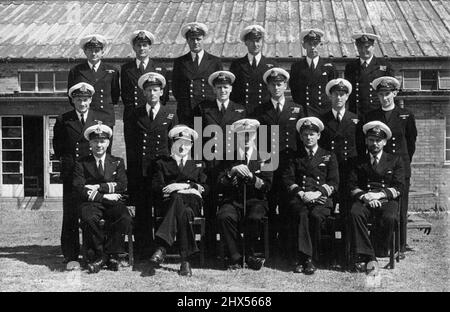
(255, 263)
(158, 256)
(308, 267)
(113, 264)
(360, 267)
(185, 269)
(235, 265)
(96, 266)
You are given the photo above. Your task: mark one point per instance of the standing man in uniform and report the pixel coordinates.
(339, 133)
(179, 184)
(278, 111)
(99, 183)
(362, 71)
(376, 182)
(150, 124)
(249, 88)
(133, 96)
(311, 179)
(402, 124)
(191, 72)
(102, 76)
(70, 145)
(220, 112)
(244, 175)
(310, 75)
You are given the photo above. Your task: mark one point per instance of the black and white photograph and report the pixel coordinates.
(224, 153)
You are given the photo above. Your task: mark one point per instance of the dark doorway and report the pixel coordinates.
(33, 155)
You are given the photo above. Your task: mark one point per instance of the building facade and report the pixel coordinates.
(37, 51)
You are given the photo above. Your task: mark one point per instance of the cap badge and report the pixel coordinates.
(83, 88)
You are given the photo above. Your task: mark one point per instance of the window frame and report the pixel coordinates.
(36, 81)
(439, 80)
(446, 136)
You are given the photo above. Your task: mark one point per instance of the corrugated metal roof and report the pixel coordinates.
(51, 29)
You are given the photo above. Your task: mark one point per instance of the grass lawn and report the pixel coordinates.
(30, 260)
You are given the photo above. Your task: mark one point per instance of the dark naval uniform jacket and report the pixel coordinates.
(106, 84)
(288, 138)
(256, 189)
(168, 172)
(308, 86)
(404, 133)
(151, 136)
(249, 88)
(131, 94)
(69, 142)
(190, 85)
(318, 174)
(340, 137)
(211, 115)
(388, 177)
(363, 98)
(114, 180)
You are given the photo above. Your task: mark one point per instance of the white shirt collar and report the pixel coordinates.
(281, 101)
(200, 56)
(96, 65)
(249, 152)
(251, 56)
(178, 159)
(219, 104)
(342, 111)
(367, 61)
(377, 155)
(315, 148)
(315, 60)
(145, 62)
(84, 115)
(102, 158)
(155, 109)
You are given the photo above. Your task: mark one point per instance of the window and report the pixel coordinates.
(428, 80)
(43, 81)
(447, 140)
(411, 80)
(444, 79)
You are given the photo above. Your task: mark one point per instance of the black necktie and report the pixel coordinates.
(311, 66)
(246, 156)
(82, 119)
(150, 113)
(141, 67)
(101, 172)
(338, 117)
(278, 109)
(196, 61)
(254, 63)
(311, 154)
(364, 65)
(180, 165)
(223, 109)
(375, 163)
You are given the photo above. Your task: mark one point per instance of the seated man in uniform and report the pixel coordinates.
(99, 180)
(311, 178)
(375, 183)
(245, 175)
(179, 184)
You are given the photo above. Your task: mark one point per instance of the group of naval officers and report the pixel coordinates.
(342, 145)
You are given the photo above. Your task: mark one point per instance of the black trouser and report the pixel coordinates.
(210, 209)
(143, 228)
(179, 212)
(277, 197)
(70, 239)
(117, 219)
(382, 230)
(308, 220)
(404, 215)
(230, 220)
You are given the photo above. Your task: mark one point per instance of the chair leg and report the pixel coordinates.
(130, 247)
(266, 238)
(392, 251)
(202, 243)
(398, 241)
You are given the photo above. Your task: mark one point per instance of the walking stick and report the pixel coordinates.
(243, 232)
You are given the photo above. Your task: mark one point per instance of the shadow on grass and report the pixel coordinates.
(35, 255)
